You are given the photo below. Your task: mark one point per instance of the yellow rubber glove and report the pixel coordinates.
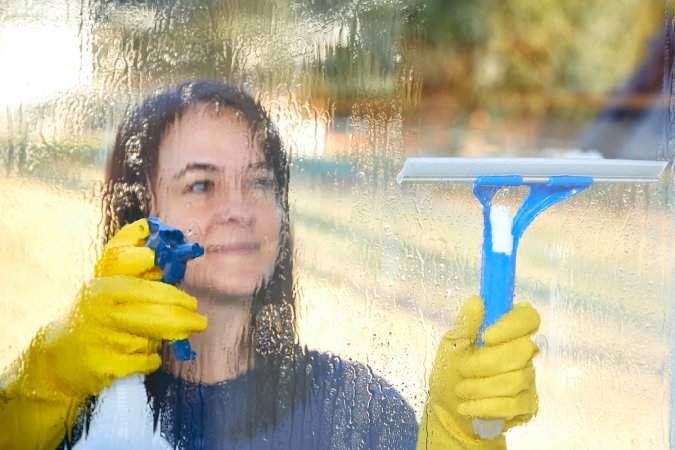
(495, 381)
(114, 330)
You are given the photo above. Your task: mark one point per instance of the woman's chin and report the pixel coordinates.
(228, 287)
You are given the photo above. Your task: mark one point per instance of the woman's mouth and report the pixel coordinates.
(234, 249)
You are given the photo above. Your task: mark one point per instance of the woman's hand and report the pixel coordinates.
(114, 330)
(495, 381)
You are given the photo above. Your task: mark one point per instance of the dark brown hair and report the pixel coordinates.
(130, 174)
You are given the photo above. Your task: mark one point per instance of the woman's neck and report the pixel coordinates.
(224, 350)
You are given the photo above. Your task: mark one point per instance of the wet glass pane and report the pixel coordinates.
(357, 277)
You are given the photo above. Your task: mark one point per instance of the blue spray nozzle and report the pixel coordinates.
(171, 251)
(171, 255)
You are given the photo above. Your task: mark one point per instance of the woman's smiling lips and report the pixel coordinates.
(234, 249)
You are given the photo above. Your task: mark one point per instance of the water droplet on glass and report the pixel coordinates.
(192, 233)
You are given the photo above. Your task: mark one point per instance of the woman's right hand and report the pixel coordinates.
(123, 315)
(114, 330)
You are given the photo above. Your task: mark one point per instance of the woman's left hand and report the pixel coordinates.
(494, 381)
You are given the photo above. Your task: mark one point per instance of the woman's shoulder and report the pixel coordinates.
(339, 370)
(361, 402)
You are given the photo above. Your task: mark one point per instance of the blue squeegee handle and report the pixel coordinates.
(171, 255)
(498, 270)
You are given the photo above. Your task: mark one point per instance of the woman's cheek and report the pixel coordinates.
(271, 252)
(194, 273)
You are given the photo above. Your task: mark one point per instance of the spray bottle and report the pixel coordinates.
(122, 418)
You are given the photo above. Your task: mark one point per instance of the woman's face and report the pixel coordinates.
(214, 184)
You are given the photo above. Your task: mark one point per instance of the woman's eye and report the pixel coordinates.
(198, 187)
(260, 188)
(262, 183)
(267, 183)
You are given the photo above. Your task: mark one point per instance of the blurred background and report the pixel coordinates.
(355, 87)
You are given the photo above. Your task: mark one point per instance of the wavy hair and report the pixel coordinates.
(126, 198)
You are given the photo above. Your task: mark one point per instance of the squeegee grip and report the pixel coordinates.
(497, 280)
(498, 270)
(496, 286)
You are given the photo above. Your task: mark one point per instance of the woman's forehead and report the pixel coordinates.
(207, 120)
(202, 134)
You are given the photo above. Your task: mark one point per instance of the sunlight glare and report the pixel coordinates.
(37, 62)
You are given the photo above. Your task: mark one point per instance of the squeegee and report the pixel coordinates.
(550, 180)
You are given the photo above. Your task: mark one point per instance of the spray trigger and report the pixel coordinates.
(171, 255)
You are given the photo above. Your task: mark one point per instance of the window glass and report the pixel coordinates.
(379, 269)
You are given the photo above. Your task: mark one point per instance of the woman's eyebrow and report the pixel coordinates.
(259, 165)
(195, 166)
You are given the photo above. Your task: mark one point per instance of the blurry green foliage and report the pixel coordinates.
(537, 45)
(456, 24)
(349, 48)
(542, 59)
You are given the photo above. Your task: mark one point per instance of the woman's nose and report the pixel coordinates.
(233, 208)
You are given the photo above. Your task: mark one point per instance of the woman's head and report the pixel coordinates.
(206, 159)
(213, 180)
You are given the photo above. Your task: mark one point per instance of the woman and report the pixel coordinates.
(204, 157)
(215, 165)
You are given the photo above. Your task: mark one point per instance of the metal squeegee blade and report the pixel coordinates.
(451, 169)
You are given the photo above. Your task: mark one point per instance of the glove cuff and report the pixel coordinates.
(34, 375)
(440, 430)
